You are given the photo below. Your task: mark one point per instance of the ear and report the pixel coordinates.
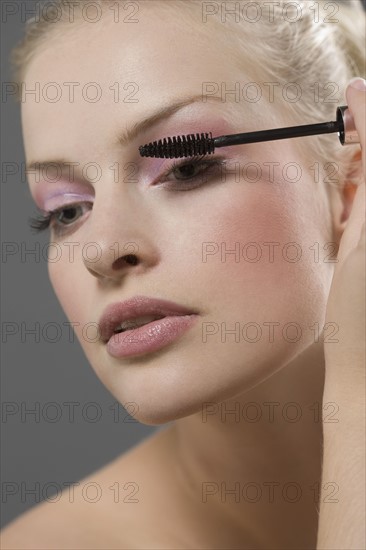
(341, 199)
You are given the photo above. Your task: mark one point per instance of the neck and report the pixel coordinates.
(255, 459)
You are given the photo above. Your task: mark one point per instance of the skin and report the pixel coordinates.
(343, 526)
(168, 229)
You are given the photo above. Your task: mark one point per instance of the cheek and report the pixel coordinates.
(256, 253)
(58, 278)
(68, 281)
(246, 231)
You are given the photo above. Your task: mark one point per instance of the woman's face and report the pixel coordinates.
(242, 244)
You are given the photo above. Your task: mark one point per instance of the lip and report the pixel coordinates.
(147, 338)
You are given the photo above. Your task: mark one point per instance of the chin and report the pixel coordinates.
(155, 402)
(157, 409)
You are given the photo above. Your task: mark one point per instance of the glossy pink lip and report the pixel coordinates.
(150, 337)
(138, 306)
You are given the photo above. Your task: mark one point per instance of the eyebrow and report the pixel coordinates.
(131, 133)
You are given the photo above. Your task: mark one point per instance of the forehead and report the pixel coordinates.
(121, 70)
(99, 77)
(161, 51)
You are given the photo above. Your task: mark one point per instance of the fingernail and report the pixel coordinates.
(358, 84)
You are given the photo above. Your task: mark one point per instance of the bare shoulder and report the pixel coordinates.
(46, 525)
(102, 510)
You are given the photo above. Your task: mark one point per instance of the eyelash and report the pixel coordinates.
(43, 221)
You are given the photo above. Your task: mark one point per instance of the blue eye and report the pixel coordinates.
(59, 218)
(188, 174)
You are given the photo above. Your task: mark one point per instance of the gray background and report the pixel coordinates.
(42, 372)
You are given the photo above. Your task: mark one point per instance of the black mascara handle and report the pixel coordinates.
(344, 125)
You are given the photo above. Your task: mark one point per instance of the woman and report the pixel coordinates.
(259, 254)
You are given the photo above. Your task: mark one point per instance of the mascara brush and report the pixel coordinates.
(204, 144)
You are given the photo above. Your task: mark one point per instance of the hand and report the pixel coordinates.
(346, 302)
(341, 523)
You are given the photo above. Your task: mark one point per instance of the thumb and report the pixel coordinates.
(356, 95)
(353, 235)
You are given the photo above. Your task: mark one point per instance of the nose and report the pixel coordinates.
(103, 266)
(119, 239)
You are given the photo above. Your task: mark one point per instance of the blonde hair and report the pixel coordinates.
(319, 51)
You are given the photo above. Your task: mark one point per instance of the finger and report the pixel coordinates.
(356, 99)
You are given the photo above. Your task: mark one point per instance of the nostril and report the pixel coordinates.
(131, 259)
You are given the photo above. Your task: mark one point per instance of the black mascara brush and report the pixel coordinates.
(204, 144)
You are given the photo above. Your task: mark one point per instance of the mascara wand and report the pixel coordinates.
(204, 144)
